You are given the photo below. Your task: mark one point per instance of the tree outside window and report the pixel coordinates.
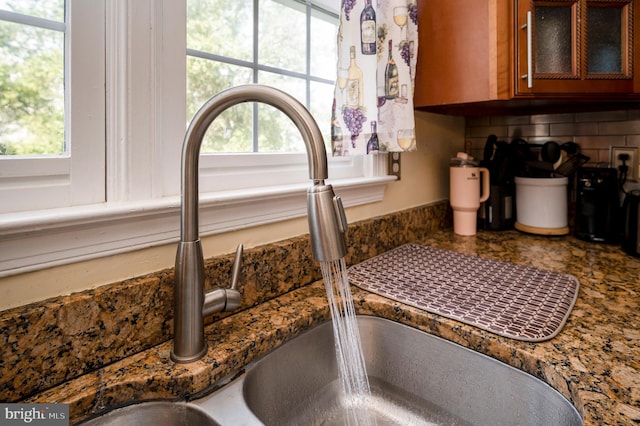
(32, 103)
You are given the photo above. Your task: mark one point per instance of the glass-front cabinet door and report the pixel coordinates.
(575, 46)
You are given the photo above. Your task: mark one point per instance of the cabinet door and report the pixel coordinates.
(464, 51)
(575, 46)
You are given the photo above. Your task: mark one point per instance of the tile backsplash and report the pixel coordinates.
(594, 132)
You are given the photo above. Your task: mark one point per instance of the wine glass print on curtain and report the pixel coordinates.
(400, 16)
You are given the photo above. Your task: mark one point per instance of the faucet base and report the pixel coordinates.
(189, 343)
(187, 359)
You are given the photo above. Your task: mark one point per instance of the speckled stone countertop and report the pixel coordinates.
(594, 361)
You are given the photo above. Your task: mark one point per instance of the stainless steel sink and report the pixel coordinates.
(158, 413)
(416, 378)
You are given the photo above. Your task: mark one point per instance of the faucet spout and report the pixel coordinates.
(327, 222)
(311, 135)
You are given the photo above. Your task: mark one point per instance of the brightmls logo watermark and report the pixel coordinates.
(34, 414)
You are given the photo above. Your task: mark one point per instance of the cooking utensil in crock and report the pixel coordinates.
(572, 164)
(550, 152)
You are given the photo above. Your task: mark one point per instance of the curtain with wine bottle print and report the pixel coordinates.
(373, 99)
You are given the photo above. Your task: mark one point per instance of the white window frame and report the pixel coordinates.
(145, 116)
(35, 182)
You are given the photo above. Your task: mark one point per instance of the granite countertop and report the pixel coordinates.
(594, 361)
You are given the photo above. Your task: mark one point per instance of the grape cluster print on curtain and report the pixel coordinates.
(373, 99)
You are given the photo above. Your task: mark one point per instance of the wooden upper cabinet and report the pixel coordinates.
(464, 51)
(579, 46)
(526, 53)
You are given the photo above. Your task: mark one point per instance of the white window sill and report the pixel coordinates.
(36, 240)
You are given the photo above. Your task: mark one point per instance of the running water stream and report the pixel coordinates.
(351, 365)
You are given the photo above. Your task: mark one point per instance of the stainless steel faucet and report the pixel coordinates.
(327, 221)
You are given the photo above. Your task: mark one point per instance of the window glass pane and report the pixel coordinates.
(604, 40)
(321, 103)
(205, 78)
(231, 131)
(31, 90)
(323, 46)
(553, 39)
(47, 9)
(222, 27)
(295, 87)
(282, 35)
(277, 133)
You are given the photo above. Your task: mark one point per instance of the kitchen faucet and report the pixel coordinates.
(327, 221)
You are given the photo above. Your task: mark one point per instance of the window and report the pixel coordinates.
(32, 115)
(287, 44)
(45, 156)
(110, 180)
(292, 47)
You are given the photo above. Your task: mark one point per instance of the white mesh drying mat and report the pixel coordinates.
(519, 302)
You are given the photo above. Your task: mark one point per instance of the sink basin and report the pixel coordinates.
(415, 378)
(158, 413)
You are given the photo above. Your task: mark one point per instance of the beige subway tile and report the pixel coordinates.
(601, 116)
(484, 131)
(575, 129)
(552, 118)
(599, 142)
(619, 128)
(561, 138)
(516, 120)
(633, 114)
(592, 154)
(604, 157)
(632, 140)
(525, 131)
(537, 140)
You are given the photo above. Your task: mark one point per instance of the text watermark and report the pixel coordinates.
(34, 414)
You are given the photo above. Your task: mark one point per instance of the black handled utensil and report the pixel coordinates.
(572, 164)
(550, 152)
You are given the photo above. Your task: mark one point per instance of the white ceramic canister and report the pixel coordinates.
(541, 203)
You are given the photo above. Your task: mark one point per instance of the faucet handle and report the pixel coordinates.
(237, 267)
(233, 295)
(225, 299)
